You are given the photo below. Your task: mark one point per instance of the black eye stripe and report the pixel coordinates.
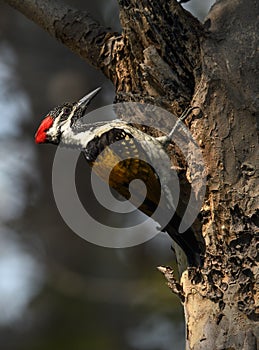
(78, 112)
(67, 111)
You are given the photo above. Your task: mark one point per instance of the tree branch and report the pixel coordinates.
(75, 29)
(155, 60)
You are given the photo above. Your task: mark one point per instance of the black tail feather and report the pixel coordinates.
(190, 242)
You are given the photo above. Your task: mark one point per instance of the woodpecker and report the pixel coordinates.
(61, 125)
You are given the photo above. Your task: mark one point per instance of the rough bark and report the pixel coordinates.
(159, 56)
(166, 57)
(222, 299)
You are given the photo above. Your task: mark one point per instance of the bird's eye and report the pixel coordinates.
(66, 110)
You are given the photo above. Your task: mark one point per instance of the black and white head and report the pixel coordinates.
(61, 119)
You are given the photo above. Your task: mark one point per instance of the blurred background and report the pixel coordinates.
(58, 291)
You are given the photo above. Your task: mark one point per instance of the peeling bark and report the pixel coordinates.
(157, 58)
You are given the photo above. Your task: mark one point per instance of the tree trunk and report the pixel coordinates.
(167, 57)
(221, 301)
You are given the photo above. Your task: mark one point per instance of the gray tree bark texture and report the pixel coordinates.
(167, 57)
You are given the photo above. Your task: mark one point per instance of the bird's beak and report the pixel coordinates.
(87, 98)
